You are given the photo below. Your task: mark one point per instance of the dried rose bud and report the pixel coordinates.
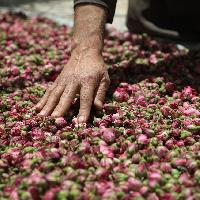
(60, 122)
(143, 139)
(108, 135)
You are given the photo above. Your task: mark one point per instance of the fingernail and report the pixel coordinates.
(81, 119)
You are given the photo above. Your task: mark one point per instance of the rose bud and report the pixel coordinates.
(165, 167)
(121, 95)
(152, 196)
(108, 135)
(134, 184)
(170, 86)
(185, 179)
(188, 93)
(15, 71)
(141, 100)
(51, 194)
(60, 122)
(142, 139)
(144, 190)
(179, 162)
(162, 151)
(170, 144)
(180, 143)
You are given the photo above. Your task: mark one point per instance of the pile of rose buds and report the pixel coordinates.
(144, 144)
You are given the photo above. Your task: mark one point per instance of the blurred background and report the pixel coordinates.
(60, 10)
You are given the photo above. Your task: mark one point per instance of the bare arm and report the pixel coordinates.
(89, 27)
(85, 72)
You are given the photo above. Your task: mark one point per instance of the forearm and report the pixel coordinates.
(89, 25)
(110, 5)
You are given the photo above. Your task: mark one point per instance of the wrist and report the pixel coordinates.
(94, 43)
(89, 28)
(90, 46)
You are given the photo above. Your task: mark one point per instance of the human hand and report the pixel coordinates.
(85, 74)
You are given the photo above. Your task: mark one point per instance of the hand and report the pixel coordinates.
(85, 74)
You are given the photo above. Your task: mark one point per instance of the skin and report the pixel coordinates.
(85, 73)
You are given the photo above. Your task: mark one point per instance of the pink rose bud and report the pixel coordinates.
(142, 139)
(134, 184)
(51, 194)
(170, 86)
(152, 196)
(60, 122)
(144, 190)
(141, 100)
(121, 95)
(188, 93)
(167, 111)
(162, 151)
(15, 71)
(108, 135)
(166, 167)
(179, 162)
(185, 179)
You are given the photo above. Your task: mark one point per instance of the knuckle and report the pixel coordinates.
(71, 79)
(66, 93)
(44, 110)
(85, 97)
(69, 95)
(57, 109)
(62, 99)
(50, 103)
(50, 89)
(83, 111)
(57, 91)
(65, 97)
(90, 79)
(50, 84)
(41, 103)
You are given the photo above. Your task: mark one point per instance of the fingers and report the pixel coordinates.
(44, 99)
(58, 98)
(65, 100)
(101, 92)
(86, 100)
(52, 101)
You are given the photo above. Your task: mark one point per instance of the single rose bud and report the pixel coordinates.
(60, 122)
(143, 139)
